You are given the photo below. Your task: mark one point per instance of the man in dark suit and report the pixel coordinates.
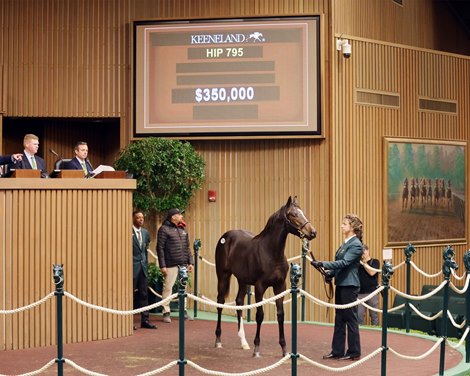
(7, 159)
(345, 271)
(29, 160)
(140, 244)
(80, 162)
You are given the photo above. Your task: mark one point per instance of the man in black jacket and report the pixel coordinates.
(173, 251)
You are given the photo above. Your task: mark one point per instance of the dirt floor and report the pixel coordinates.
(147, 350)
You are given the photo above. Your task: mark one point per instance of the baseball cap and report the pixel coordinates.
(174, 211)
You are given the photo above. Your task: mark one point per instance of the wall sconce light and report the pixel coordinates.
(343, 44)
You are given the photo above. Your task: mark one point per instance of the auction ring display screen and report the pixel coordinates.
(228, 77)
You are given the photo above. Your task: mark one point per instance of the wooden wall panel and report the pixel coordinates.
(418, 23)
(85, 229)
(358, 132)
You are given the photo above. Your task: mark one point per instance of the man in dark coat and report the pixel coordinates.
(140, 244)
(80, 162)
(173, 251)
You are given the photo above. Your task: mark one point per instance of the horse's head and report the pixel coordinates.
(296, 221)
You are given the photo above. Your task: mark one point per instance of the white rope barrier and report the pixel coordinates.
(249, 373)
(461, 339)
(396, 308)
(345, 368)
(38, 371)
(424, 273)
(451, 318)
(29, 306)
(294, 258)
(464, 288)
(378, 310)
(429, 318)
(341, 306)
(419, 297)
(458, 278)
(419, 357)
(236, 308)
(153, 254)
(207, 262)
(92, 373)
(399, 265)
(118, 312)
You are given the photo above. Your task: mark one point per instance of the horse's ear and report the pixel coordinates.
(289, 201)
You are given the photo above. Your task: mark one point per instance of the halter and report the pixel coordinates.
(299, 229)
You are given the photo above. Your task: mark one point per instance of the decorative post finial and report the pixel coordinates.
(197, 245)
(449, 263)
(409, 250)
(387, 272)
(295, 274)
(58, 275)
(466, 261)
(182, 277)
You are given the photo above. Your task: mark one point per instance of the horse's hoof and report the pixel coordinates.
(218, 345)
(256, 355)
(245, 346)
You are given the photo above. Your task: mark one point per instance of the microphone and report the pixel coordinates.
(55, 153)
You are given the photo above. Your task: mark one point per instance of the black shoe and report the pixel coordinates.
(331, 356)
(350, 357)
(148, 325)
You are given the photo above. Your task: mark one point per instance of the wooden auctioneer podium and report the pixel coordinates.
(84, 224)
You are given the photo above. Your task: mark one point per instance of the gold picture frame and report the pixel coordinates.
(425, 191)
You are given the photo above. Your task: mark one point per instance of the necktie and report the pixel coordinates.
(33, 163)
(139, 236)
(85, 171)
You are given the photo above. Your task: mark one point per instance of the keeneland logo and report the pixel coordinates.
(227, 38)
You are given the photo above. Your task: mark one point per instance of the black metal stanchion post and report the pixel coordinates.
(447, 266)
(409, 250)
(58, 273)
(196, 247)
(295, 274)
(182, 281)
(248, 297)
(387, 272)
(466, 261)
(305, 246)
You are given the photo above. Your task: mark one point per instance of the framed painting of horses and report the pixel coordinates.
(425, 191)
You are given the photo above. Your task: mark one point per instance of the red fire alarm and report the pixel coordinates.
(211, 195)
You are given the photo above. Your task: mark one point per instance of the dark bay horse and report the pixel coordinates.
(259, 261)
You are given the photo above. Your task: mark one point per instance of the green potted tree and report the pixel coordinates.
(168, 173)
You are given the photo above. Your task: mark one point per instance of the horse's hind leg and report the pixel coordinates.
(223, 286)
(242, 290)
(280, 318)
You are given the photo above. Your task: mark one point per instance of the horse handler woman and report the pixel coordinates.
(345, 271)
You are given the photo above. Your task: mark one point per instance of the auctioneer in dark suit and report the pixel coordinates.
(5, 159)
(345, 270)
(25, 164)
(74, 164)
(140, 269)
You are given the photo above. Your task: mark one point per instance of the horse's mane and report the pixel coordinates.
(273, 218)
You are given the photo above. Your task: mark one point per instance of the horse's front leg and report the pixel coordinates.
(280, 317)
(259, 292)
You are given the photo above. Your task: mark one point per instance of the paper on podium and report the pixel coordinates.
(100, 169)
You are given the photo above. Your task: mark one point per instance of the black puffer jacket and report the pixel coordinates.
(173, 246)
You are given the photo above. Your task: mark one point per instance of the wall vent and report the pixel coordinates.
(377, 99)
(437, 105)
